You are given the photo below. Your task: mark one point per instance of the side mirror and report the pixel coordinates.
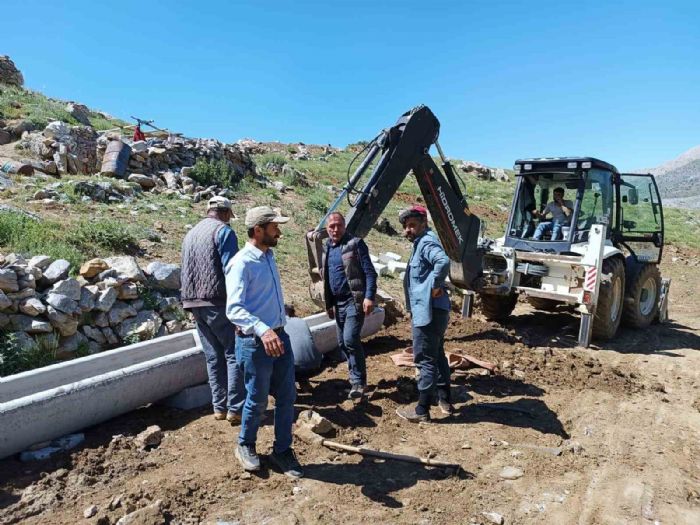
(633, 196)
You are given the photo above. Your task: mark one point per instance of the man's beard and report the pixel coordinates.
(410, 237)
(269, 240)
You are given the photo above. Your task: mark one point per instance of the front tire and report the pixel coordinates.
(608, 312)
(497, 307)
(642, 297)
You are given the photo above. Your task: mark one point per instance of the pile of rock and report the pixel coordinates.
(9, 74)
(62, 148)
(112, 301)
(483, 172)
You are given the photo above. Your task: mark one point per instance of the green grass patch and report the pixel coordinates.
(15, 359)
(75, 242)
(19, 103)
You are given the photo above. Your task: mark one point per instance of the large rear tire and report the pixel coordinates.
(539, 303)
(642, 297)
(497, 307)
(608, 312)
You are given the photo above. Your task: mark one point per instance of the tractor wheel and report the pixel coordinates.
(642, 297)
(497, 307)
(608, 312)
(539, 303)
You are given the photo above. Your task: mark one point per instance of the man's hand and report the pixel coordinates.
(566, 210)
(367, 306)
(274, 347)
(436, 292)
(330, 313)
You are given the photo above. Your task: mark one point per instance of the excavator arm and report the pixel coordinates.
(401, 148)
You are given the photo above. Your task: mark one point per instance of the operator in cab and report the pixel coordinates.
(560, 209)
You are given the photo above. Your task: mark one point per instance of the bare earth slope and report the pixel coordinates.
(607, 435)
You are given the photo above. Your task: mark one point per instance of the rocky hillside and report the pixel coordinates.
(679, 180)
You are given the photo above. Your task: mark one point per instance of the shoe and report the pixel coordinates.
(287, 462)
(233, 418)
(356, 392)
(446, 407)
(410, 414)
(219, 416)
(247, 457)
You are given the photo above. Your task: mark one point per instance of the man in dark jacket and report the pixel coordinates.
(350, 284)
(206, 251)
(429, 305)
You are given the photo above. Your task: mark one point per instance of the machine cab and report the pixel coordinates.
(558, 200)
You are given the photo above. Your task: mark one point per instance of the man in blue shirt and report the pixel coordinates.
(206, 251)
(256, 306)
(350, 284)
(429, 305)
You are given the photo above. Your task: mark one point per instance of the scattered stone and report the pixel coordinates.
(105, 300)
(40, 261)
(93, 267)
(128, 290)
(511, 473)
(149, 438)
(90, 511)
(8, 280)
(150, 515)
(5, 302)
(116, 502)
(56, 271)
(119, 312)
(315, 422)
(144, 326)
(144, 181)
(127, 266)
(164, 275)
(66, 325)
(68, 287)
(62, 303)
(493, 517)
(30, 306)
(61, 444)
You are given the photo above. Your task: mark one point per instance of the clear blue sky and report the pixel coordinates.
(618, 80)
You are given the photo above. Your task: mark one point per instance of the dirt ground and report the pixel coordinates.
(606, 435)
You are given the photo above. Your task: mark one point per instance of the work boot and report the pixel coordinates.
(356, 392)
(219, 416)
(233, 418)
(247, 457)
(417, 414)
(287, 462)
(446, 407)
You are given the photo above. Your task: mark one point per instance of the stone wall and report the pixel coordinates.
(112, 302)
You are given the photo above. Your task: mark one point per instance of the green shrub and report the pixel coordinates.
(104, 234)
(15, 359)
(276, 159)
(73, 242)
(318, 201)
(219, 172)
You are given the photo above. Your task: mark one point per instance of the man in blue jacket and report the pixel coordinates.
(429, 305)
(350, 284)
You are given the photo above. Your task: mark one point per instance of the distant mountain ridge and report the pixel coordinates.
(679, 179)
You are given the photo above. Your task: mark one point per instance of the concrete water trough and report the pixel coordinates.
(49, 402)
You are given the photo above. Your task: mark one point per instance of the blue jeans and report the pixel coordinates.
(218, 338)
(544, 227)
(349, 324)
(264, 375)
(429, 356)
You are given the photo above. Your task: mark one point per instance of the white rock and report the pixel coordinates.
(127, 266)
(396, 266)
(32, 306)
(90, 511)
(511, 473)
(386, 257)
(381, 269)
(493, 517)
(68, 287)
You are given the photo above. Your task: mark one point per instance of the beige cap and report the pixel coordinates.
(218, 203)
(263, 215)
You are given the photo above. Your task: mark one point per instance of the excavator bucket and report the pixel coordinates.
(314, 250)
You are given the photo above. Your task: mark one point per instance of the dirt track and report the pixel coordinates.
(605, 435)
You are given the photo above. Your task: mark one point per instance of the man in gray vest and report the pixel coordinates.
(350, 284)
(206, 251)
